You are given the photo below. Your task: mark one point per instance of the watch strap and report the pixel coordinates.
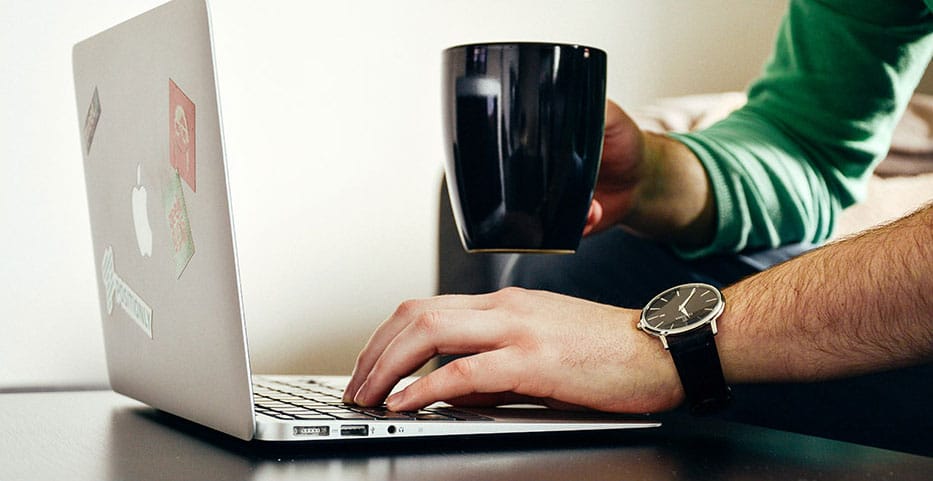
(697, 361)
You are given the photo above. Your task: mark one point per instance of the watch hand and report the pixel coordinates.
(684, 304)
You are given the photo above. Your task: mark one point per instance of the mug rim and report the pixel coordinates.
(524, 43)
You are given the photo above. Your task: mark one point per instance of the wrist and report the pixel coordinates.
(673, 199)
(683, 319)
(672, 389)
(663, 383)
(649, 181)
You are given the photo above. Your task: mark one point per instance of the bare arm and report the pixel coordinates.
(859, 305)
(862, 304)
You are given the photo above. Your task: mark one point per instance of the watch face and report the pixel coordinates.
(682, 308)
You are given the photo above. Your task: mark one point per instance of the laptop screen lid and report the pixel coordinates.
(160, 217)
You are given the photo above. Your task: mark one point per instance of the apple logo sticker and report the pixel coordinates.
(141, 215)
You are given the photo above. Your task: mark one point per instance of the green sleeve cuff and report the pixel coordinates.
(816, 123)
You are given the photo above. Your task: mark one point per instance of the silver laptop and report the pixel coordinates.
(165, 254)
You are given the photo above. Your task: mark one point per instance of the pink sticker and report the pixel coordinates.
(181, 133)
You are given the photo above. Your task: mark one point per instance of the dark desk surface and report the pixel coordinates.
(99, 435)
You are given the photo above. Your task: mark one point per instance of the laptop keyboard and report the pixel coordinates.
(318, 401)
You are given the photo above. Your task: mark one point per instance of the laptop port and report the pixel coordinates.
(312, 431)
(354, 430)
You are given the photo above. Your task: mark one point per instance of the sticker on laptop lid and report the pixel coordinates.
(140, 204)
(176, 213)
(181, 128)
(116, 291)
(90, 122)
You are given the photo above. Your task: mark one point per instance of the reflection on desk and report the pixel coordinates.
(102, 435)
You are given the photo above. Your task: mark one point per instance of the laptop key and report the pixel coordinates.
(383, 413)
(352, 415)
(314, 417)
(297, 411)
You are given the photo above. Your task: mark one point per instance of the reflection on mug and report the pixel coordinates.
(524, 127)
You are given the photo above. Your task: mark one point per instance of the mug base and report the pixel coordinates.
(519, 251)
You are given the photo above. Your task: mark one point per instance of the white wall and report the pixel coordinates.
(332, 119)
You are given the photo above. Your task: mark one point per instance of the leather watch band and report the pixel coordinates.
(697, 362)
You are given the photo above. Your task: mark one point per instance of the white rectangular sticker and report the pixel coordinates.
(117, 290)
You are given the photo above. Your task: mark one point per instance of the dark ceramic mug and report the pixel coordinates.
(524, 130)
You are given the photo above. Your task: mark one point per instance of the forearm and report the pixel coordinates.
(862, 304)
(674, 201)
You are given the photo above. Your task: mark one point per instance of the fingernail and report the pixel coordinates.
(360, 394)
(348, 393)
(395, 401)
(351, 388)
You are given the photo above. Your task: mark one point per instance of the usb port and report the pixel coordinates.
(354, 430)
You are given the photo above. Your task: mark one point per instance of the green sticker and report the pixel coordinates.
(176, 213)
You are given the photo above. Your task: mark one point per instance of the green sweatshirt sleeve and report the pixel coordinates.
(816, 123)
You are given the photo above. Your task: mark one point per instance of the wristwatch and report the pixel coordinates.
(684, 317)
